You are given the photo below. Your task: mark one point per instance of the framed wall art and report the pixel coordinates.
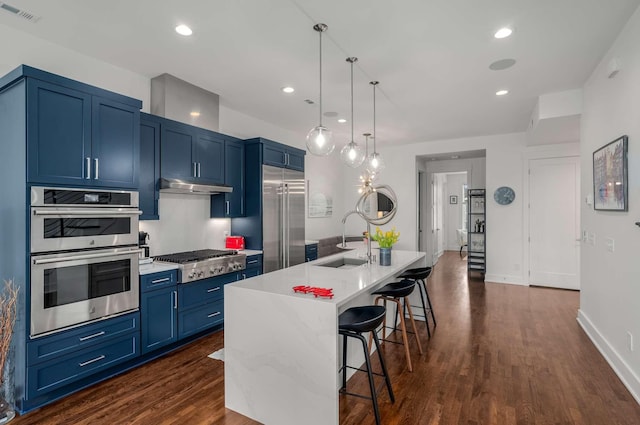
(610, 176)
(453, 199)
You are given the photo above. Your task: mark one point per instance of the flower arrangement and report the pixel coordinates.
(386, 239)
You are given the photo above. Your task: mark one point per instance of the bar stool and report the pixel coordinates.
(421, 274)
(352, 323)
(394, 292)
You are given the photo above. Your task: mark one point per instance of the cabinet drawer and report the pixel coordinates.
(149, 282)
(65, 370)
(53, 346)
(200, 318)
(254, 261)
(202, 292)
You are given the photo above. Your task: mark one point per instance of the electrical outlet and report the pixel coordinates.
(225, 233)
(585, 236)
(611, 244)
(592, 239)
(629, 340)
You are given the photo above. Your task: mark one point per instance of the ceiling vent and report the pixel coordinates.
(20, 13)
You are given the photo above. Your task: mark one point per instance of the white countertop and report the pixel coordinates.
(310, 242)
(156, 267)
(345, 282)
(248, 252)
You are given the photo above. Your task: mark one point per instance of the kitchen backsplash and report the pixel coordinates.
(184, 225)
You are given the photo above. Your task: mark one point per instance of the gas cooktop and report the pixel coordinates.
(192, 256)
(204, 263)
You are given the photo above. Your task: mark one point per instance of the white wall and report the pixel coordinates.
(610, 281)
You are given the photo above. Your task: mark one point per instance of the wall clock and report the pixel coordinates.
(504, 195)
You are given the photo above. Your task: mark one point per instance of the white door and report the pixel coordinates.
(437, 215)
(554, 222)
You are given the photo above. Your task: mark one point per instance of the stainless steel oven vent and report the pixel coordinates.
(20, 13)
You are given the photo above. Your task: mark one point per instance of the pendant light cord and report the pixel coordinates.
(320, 78)
(374, 84)
(352, 98)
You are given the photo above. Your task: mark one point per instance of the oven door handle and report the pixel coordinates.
(105, 212)
(85, 256)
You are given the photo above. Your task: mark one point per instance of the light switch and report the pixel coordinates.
(610, 244)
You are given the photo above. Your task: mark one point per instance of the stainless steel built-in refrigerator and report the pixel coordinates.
(282, 217)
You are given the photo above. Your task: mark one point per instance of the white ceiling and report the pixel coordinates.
(430, 56)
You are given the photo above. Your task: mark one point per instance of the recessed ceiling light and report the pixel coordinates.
(183, 30)
(288, 89)
(330, 114)
(342, 120)
(502, 92)
(194, 114)
(503, 33)
(455, 156)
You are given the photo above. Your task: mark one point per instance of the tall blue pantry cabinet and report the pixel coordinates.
(58, 132)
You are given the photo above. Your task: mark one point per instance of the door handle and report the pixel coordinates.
(97, 164)
(227, 205)
(88, 167)
(97, 359)
(175, 300)
(199, 170)
(195, 173)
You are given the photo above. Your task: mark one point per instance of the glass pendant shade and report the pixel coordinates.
(352, 154)
(320, 141)
(375, 164)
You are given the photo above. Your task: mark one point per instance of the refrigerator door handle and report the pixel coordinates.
(283, 231)
(287, 225)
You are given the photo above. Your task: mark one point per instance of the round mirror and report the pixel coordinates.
(378, 205)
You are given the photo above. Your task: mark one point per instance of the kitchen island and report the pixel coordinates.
(282, 351)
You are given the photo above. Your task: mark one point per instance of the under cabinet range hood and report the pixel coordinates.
(181, 186)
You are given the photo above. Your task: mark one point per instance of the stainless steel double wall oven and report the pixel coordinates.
(84, 256)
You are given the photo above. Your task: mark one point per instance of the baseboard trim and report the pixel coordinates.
(511, 280)
(617, 363)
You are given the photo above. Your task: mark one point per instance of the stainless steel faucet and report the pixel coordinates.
(344, 220)
(370, 258)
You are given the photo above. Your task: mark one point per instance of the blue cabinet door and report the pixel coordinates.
(209, 154)
(59, 134)
(176, 145)
(273, 154)
(115, 144)
(295, 160)
(149, 167)
(159, 323)
(231, 204)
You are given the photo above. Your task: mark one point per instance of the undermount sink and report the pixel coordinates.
(344, 263)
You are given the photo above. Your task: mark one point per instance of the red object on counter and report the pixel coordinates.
(235, 242)
(314, 290)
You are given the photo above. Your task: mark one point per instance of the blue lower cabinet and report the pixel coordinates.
(159, 316)
(311, 252)
(64, 370)
(201, 292)
(200, 318)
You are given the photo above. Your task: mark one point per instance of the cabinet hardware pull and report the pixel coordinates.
(252, 262)
(175, 300)
(97, 359)
(87, 212)
(214, 314)
(227, 204)
(97, 164)
(244, 276)
(217, 288)
(199, 170)
(166, 279)
(88, 176)
(195, 173)
(85, 256)
(84, 338)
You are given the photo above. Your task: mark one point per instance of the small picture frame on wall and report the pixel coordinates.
(453, 199)
(610, 176)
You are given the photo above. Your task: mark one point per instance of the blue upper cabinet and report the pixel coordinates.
(280, 155)
(78, 134)
(209, 154)
(115, 146)
(191, 153)
(231, 204)
(149, 166)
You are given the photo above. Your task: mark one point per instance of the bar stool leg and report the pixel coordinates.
(433, 316)
(384, 368)
(424, 309)
(344, 361)
(403, 326)
(413, 322)
(372, 385)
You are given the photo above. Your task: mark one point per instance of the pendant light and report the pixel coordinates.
(374, 161)
(352, 154)
(367, 177)
(320, 138)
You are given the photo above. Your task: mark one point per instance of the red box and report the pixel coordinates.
(235, 242)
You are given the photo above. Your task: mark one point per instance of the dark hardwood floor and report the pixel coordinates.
(501, 354)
